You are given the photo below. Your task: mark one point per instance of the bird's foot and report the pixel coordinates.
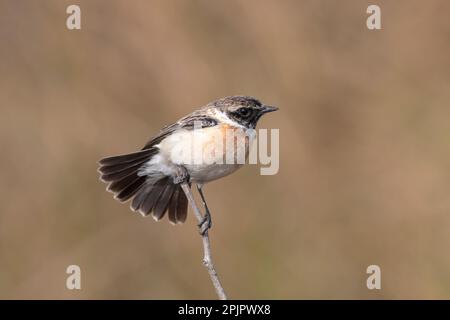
(181, 175)
(205, 224)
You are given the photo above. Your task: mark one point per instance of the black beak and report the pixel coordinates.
(267, 109)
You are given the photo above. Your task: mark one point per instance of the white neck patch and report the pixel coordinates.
(223, 118)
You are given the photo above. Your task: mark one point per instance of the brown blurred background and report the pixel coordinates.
(364, 162)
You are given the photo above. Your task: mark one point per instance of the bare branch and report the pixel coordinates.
(207, 259)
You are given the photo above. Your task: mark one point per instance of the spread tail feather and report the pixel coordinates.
(160, 197)
(121, 174)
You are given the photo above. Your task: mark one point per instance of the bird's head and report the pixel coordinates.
(246, 111)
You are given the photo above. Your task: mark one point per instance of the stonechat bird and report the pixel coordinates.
(151, 177)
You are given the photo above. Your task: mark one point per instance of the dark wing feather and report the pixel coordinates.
(163, 202)
(131, 189)
(140, 197)
(166, 131)
(121, 173)
(198, 121)
(173, 206)
(126, 158)
(153, 196)
(182, 207)
(188, 123)
(178, 206)
(121, 184)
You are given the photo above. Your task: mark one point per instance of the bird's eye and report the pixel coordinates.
(244, 112)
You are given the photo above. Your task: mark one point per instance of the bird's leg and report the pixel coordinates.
(206, 222)
(182, 175)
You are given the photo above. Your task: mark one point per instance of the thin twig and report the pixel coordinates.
(207, 259)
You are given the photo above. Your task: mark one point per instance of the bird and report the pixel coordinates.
(151, 177)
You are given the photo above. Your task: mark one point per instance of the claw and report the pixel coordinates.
(181, 176)
(205, 224)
